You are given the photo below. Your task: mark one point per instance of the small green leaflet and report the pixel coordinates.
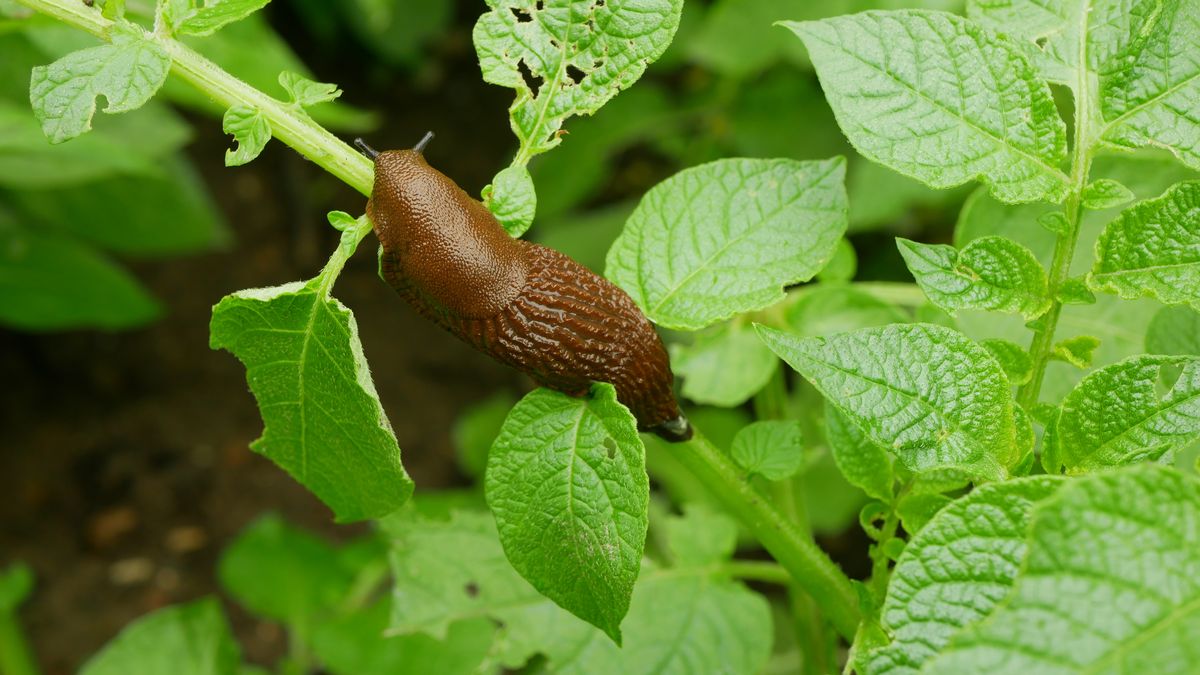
(683, 619)
(191, 639)
(250, 130)
(864, 463)
(936, 97)
(1115, 415)
(566, 480)
(16, 583)
(1124, 539)
(821, 309)
(213, 15)
(917, 509)
(932, 396)
(726, 237)
(1147, 101)
(773, 449)
(1074, 291)
(1106, 194)
(583, 54)
(724, 365)
(324, 423)
(1153, 248)
(127, 73)
(305, 92)
(1013, 358)
(992, 273)
(1077, 351)
(1174, 330)
(512, 199)
(955, 571)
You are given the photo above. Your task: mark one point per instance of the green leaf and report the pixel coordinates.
(917, 509)
(512, 199)
(1106, 194)
(824, 310)
(724, 365)
(867, 465)
(992, 273)
(215, 14)
(1174, 330)
(930, 394)
(250, 130)
(1153, 248)
(842, 266)
(955, 571)
(191, 639)
(934, 96)
(1146, 101)
(283, 573)
(584, 53)
(702, 537)
(356, 645)
(305, 92)
(726, 237)
(126, 72)
(477, 428)
(1074, 291)
(1115, 415)
(1077, 351)
(773, 449)
(324, 423)
(1126, 539)
(679, 621)
(566, 480)
(52, 282)
(128, 214)
(16, 583)
(1013, 358)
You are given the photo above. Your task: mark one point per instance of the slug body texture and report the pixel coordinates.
(523, 304)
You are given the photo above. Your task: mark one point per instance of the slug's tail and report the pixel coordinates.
(674, 431)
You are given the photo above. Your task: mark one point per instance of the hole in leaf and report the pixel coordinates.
(611, 446)
(1041, 42)
(597, 64)
(522, 15)
(575, 74)
(540, 5)
(533, 82)
(591, 25)
(599, 3)
(472, 589)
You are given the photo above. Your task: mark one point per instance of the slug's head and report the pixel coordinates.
(409, 196)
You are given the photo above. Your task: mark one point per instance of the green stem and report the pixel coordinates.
(757, 570)
(1064, 245)
(289, 123)
(808, 565)
(15, 656)
(879, 560)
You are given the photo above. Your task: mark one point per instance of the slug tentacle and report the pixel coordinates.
(525, 305)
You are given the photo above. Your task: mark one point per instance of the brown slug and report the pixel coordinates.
(523, 304)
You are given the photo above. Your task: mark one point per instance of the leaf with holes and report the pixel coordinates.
(250, 130)
(936, 97)
(1153, 248)
(726, 237)
(992, 273)
(1125, 539)
(566, 480)
(324, 423)
(932, 396)
(955, 571)
(1116, 416)
(126, 72)
(568, 57)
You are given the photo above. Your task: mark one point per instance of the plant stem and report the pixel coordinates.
(757, 570)
(808, 565)
(15, 655)
(1064, 245)
(289, 123)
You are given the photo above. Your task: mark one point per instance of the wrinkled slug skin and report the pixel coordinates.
(523, 304)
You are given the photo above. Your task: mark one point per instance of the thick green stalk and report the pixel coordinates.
(1064, 246)
(289, 123)
(809, 566)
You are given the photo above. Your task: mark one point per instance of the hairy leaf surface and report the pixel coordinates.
(992, 273)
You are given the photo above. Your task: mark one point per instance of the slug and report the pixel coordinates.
(523, 304)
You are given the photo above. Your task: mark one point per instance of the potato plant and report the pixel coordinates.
(1020, 424)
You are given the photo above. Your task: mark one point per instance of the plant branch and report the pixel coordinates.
(808, 565)
(289, 123)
